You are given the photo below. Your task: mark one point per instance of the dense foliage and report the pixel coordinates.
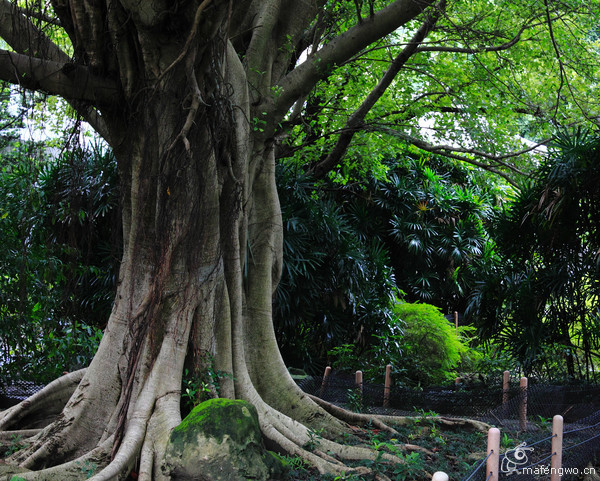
(60, 231)
(540, 299)
(389, 216)
(488, 76)
(338, 283)
(350, 247)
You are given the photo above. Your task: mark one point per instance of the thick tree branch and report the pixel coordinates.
(299, 35)
(259, 54)
(318, 66)
(356, 119)
(473, 50)
(24, 37)
(454, 152)
(27, 39)
(71, 81)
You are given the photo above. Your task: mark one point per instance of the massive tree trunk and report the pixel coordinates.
(191, 121)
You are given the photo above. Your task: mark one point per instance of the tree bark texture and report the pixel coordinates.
(184, 94)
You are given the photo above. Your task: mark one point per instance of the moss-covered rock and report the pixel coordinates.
(220, 440)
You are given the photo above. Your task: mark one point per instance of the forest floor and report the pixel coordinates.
(455, 452)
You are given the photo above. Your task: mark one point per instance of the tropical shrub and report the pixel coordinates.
(432, 348)
(423, 347)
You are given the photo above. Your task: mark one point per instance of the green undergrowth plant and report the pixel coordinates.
(419, 337)
(202, 384)
(87, 468)
(314, 439)
(295, 465)
(354, 400)
(14, 446)
(455, 452)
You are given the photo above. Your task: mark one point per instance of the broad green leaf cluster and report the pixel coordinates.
(491, 80)
(540, 299)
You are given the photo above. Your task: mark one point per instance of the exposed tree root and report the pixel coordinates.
(356, 418)
(21, 433)
(325, 455)
(379, 420)
(151, 418)
(444, 422)
(74, 470)
(49, 400)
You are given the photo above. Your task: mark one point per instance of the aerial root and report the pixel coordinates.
(442, 421)
(294, 449)
(165, 417)
(136, 436)
(350, 417)
(464, 423)
(52, 398)
(357, 453)
(293, 438)
(323, 454)
(381, 421)
(146, 461)
(21, 434)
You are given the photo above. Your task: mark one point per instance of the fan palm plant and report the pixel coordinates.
(543, 295)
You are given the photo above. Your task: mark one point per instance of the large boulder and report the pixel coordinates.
(220, 440)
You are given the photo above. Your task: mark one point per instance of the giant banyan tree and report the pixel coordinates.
(193, 97)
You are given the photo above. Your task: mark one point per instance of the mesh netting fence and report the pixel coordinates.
(578, 404)
(14, 391)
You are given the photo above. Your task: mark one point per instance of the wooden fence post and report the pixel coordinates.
(505, 386)
(505, 392)
(358, 379)
(456, 320)
(325, 379)
(387, 386)
(557, 439)
(493, 460)
(523, 405)
(440, 476)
